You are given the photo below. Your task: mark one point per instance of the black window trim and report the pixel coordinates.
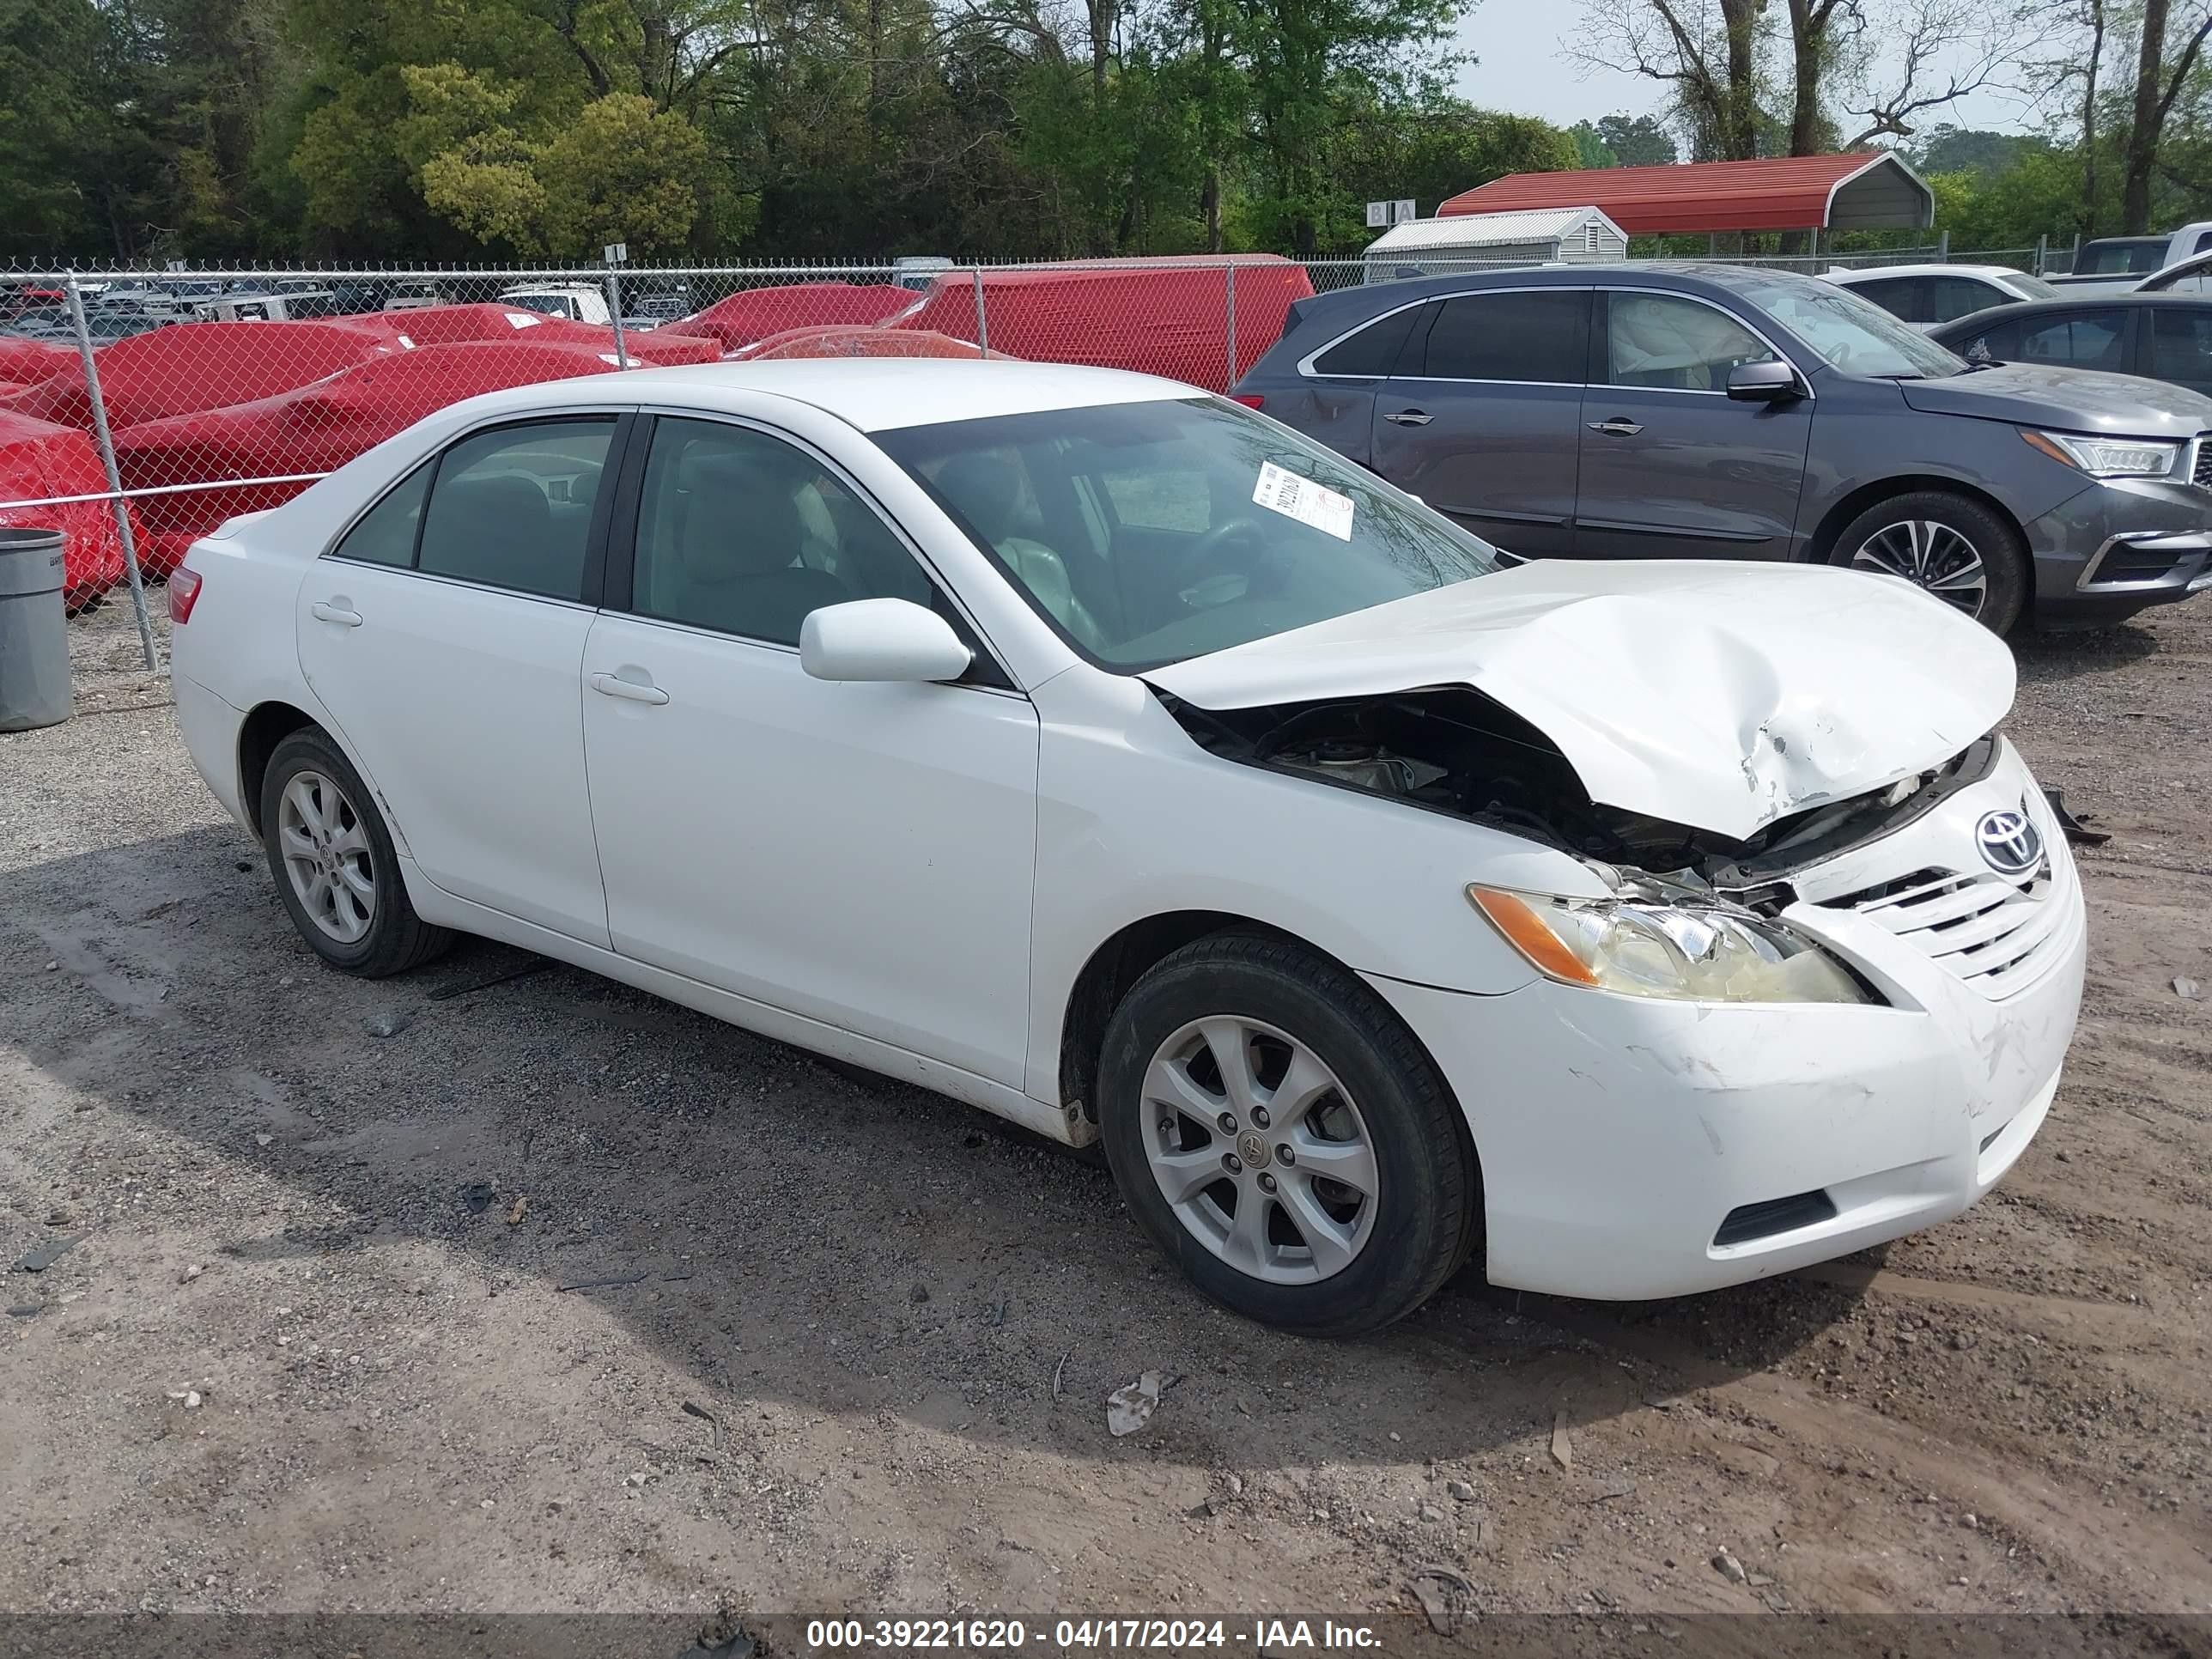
(622, 417)
(986, 672)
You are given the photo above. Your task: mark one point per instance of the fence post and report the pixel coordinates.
(1229, 271)
(1943, 247)
(114, 478)
(983, 326)
(614, 312)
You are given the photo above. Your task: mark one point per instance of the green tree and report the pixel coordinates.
(1637, 141)
(1590, 150)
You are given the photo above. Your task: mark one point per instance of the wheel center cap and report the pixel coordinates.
(1253, 1149)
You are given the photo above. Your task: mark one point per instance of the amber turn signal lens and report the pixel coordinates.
(1524, 930)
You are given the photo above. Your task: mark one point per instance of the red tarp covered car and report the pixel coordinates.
(38, 460)
(316, 428)
(188, 367)
(1167, 317)
(858, 340)
(758, 313)
(461, 324)
(24, 362)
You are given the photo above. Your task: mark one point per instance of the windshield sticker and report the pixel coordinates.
(1285, 492)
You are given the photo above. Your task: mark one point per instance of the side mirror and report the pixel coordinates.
(880, 639)
(1769, 382)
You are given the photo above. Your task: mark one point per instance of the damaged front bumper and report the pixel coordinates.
(1633, 1147)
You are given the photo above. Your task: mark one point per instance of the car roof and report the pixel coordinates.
(1678, 275)
(879, 394)
(2029, 309)
(1875, 272)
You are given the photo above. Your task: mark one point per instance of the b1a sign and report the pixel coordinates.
(1381, 215)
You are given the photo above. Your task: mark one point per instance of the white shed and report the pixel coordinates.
(1467, 241)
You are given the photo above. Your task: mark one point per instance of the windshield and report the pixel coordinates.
(2120, 256)
(1849, 332)
(1148, 532)
(550, 305)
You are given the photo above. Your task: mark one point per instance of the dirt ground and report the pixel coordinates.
(329, 1336)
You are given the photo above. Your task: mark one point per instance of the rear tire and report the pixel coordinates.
(335, 869)
(1948, 545)
(1378, 1204)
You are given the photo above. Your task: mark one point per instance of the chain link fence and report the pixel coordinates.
(140, 410)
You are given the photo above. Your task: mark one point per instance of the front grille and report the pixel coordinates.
(2201, 474)
(1774, 1215)
(1990, 930)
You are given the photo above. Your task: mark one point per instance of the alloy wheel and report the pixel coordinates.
(326, 856)
(1260, 1150)
(1930, 555)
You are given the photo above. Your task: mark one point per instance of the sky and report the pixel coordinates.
(1522, 68)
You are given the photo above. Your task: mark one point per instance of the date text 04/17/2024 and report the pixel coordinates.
(1171, 1635)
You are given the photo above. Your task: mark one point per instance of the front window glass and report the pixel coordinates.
(1148, 532)
(1847, 332)
(744, 533)
(1681, 345)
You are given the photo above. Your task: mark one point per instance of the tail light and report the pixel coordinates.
(1249, 399)
(184, 594)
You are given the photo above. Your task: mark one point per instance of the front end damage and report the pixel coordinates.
(1453, 749)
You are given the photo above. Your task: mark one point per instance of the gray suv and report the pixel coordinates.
(1674, 410)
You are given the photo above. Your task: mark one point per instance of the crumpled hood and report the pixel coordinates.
(2065, 400)
(1722, 697)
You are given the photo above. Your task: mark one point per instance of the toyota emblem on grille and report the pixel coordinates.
(2010, 844)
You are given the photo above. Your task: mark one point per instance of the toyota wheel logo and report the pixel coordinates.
(2011, 845)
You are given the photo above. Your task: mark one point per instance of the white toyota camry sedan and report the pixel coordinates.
(1106, 756)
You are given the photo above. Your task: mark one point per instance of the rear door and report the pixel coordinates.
(1480, 420)
(1671, 467)
(445, 634)
(2177, 344)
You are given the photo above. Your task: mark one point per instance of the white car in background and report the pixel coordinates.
(1926, 296)
(580, 302)
(1113, 758)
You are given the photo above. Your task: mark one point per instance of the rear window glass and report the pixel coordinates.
(1541, 336)
(1373, 350)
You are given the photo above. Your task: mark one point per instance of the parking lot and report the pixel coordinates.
(560, 1298)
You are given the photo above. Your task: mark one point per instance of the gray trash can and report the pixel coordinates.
(35, 660)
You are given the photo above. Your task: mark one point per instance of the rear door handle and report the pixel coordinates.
(1618, 427)
(613, 685)
(335, 612)
(1409, 418)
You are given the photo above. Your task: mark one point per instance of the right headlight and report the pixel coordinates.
(2107, 458)
(1657, 939)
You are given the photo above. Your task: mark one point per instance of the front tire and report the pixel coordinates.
(1284, 1139)
(1948, 545)
(335, 870)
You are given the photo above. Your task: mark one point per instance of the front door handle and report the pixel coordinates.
(334, 611)
(613, 685)
(1410, 417)
(1618, 427)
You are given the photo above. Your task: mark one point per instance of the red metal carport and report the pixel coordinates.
(1869, 190)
